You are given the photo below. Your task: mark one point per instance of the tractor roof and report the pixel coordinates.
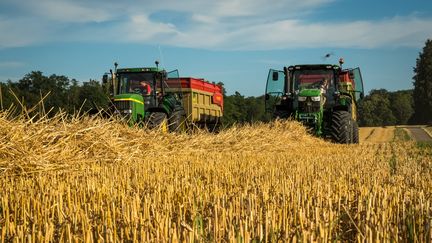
(313, 66)
(139, 69)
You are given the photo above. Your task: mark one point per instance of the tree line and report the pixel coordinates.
(36, 92)
(379, 108)
(383, 108)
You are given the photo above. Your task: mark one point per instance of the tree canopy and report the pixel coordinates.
(56, 93)
(423, 86)
(384, 108)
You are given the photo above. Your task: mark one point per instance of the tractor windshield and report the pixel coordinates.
(140, 83)
(312, 79)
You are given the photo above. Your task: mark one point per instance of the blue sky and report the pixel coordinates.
(232, 41)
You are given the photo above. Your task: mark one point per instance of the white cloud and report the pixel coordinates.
(140, 28)
(223, 24)
(204, 19)
(11, 64)
(22, 32)
(67, 11)
(294, 34)
(283, 34)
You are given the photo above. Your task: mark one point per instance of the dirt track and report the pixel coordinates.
(386, 134)
(418, 134)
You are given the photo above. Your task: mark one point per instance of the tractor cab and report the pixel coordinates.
(314, 84)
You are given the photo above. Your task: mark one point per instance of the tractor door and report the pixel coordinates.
(174, 74)
(355, 74)
(173, 90)
(274, 89)
(172, 80)
(173, 83)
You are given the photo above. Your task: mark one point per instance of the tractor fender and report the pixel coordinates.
(157, 109)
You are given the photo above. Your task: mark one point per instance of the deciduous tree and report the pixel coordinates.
(423, 86)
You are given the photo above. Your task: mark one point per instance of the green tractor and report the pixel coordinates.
(323, 97)
(140, 96)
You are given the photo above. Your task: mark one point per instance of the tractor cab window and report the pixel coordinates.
(161, 86)
(313, 79)
(358, 83)
(140, 87)
(140, 83)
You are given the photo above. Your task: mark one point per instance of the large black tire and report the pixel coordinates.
(175, 123)
(281, 114)
(355, 133)
(158, 120)
(341, 128)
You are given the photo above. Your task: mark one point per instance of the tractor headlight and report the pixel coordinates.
(316, 98)
(302, 98)
(127, 111)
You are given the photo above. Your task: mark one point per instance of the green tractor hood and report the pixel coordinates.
(130, 106)
(137, 98)
(310, 92)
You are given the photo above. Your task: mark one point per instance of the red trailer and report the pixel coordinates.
(202, 100)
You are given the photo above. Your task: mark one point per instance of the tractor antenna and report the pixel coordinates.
(161, 56)
(157, 64)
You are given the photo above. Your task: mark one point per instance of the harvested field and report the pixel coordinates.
(88, 179)
(386, 134)
(376, 134)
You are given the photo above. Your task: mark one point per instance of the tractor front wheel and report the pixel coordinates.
(281, 114)
(158, 120)
(341, 127)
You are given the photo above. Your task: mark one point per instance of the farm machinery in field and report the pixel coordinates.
(323, 97)
(154, 97)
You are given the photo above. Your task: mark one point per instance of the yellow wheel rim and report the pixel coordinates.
(164, 126)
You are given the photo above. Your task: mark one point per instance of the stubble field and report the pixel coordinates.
(88, 179)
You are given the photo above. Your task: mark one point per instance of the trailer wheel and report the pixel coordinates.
(341, 128)
(158, 120)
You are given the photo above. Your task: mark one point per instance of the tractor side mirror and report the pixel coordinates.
(275, 76)
(267, 96)
(105, 78)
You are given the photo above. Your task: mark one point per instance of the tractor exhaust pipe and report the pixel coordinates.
(341, 61)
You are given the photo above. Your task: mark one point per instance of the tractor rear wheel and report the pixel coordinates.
(355, 132)
(341, 128)
(158, 120)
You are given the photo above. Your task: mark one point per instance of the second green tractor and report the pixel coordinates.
(324, 97)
